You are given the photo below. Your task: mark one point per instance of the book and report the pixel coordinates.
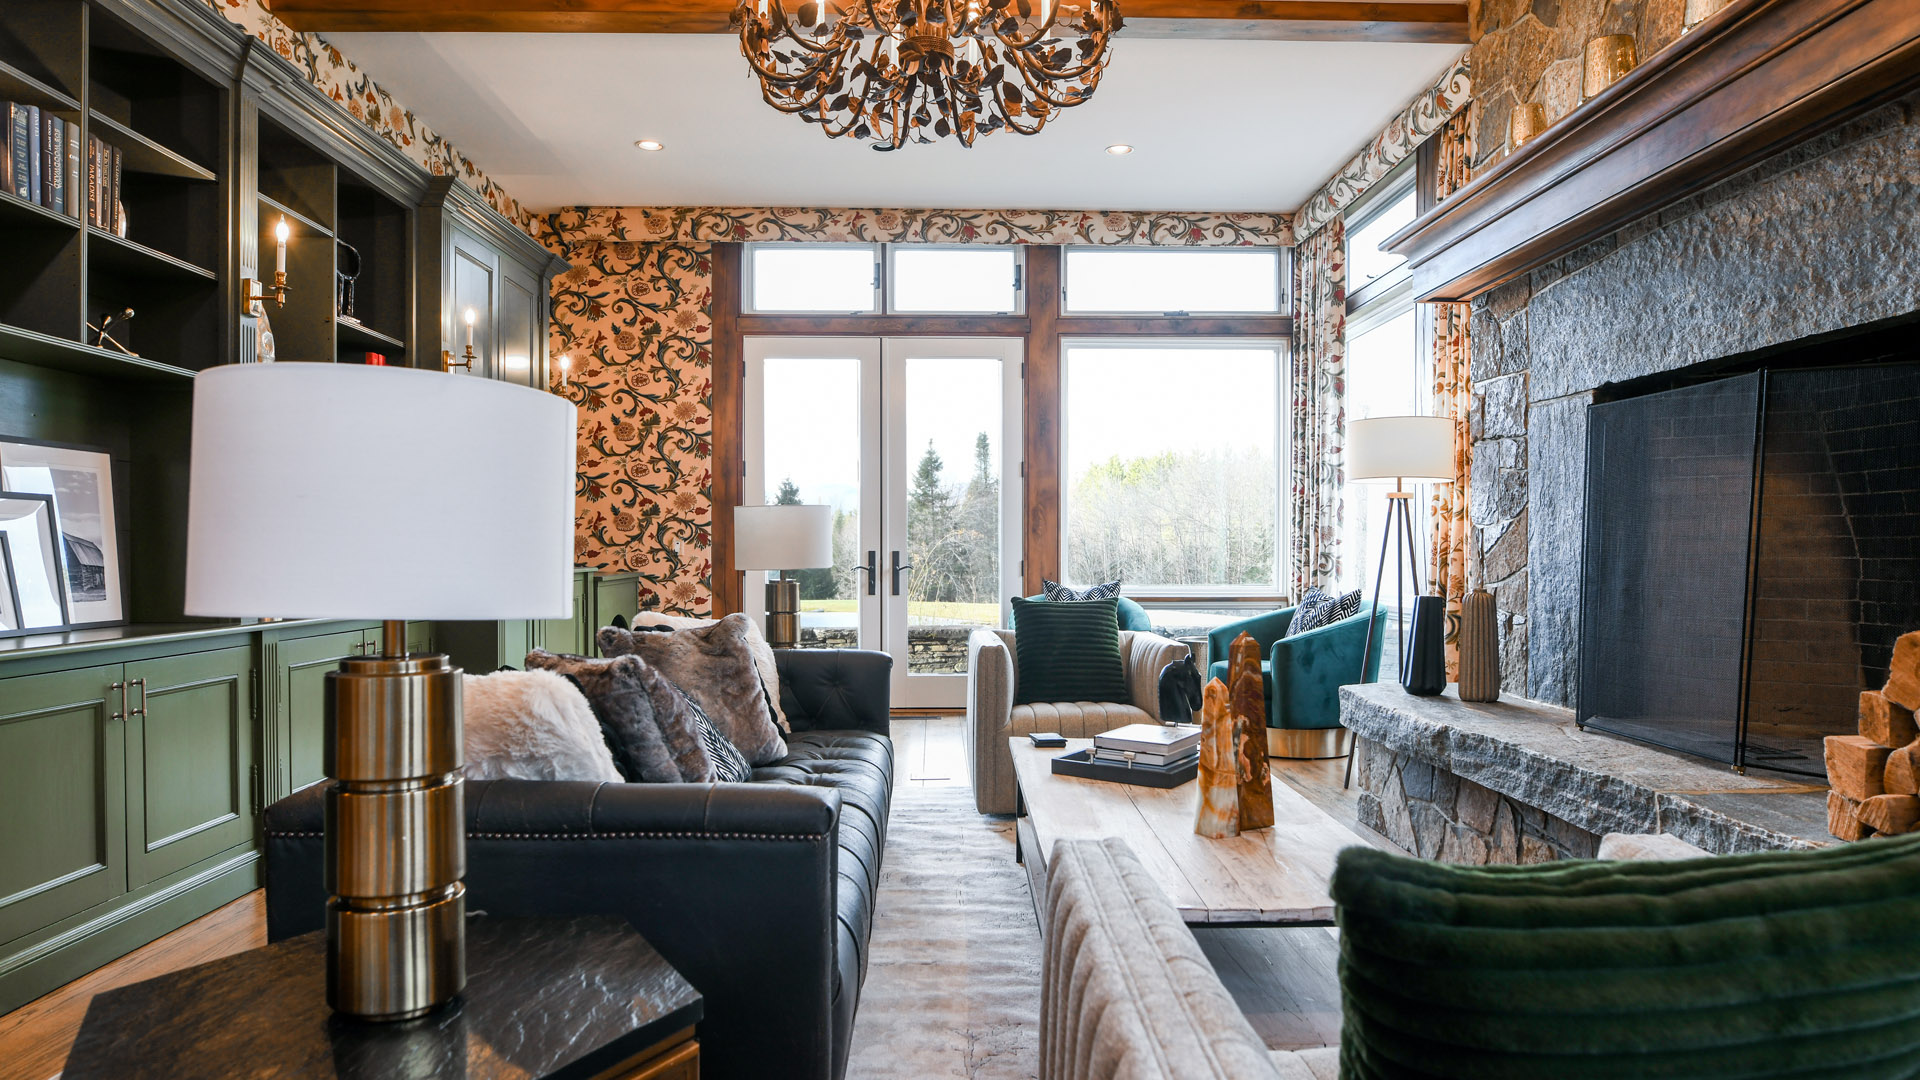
(72, 207)
(27, 160)
(116, 214)
(53, 150)
(1167, 739)
(93, 179)
(1161, 760)
(7, 170)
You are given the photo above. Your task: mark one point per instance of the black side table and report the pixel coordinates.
(557, 998)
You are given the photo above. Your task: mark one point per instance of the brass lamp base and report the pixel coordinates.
(783, 613)
(396, 835)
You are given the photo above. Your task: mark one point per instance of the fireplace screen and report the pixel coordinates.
(1752, 551)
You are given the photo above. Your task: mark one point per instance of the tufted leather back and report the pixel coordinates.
(835, 689)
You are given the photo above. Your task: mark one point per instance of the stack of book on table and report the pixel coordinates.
(1159, 746)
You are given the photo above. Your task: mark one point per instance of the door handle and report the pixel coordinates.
(897, 567)
(122, 687)
(872, 571)
(142, 684)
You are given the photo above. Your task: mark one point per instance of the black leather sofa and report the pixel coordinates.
(761, 894)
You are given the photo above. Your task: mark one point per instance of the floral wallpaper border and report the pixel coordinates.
(1421, 118)
(696, 224)
(355, 92)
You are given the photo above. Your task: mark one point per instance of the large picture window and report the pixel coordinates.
(1172, 465)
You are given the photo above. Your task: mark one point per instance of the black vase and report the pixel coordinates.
(1426, 668)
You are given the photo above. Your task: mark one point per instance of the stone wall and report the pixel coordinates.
(1815, 240)
(1531, 50)
(1437, 815)
(931, 650)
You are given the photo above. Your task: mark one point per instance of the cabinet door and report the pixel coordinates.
(419, 637)
(617, 594)
(572, 635)
(302, 675)
(190, 751)
(472, 268)
(62, 795)
(522, 353)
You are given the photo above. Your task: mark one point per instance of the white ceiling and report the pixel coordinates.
(1218, 125)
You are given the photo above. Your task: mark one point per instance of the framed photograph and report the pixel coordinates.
(35, 581)
(9, 596)
(80, 482)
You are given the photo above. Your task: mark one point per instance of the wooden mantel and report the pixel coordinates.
(1753, 79)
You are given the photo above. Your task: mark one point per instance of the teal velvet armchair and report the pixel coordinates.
(1303, 676)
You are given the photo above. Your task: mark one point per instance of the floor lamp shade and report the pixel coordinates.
(343, 491)
(1414, 448)
(782, 537)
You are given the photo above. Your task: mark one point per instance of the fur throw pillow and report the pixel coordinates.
(763, 661)
(653, 729)
(714, 665)
(531, 725)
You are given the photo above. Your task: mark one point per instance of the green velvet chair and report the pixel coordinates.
(1303, 676)
(1132, 616)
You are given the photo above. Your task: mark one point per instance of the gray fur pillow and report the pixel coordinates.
(531, 725)
(763, 661)
(652, 727)
(714, 665)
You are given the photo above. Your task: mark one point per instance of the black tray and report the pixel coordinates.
(1081, 763)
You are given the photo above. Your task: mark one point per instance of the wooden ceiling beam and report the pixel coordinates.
(1273, 20)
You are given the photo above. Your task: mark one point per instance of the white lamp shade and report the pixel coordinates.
(342, 491)
(782, 537)
(1414, 448)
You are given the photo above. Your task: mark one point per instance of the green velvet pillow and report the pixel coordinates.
(1802, 964)
(1068, 650)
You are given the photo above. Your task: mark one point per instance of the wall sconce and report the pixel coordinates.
(447, 362)
(566, 369)
(250, 290)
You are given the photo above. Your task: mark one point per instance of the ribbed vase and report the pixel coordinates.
(1479, 648)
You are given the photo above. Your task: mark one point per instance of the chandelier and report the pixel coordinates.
(895, 71)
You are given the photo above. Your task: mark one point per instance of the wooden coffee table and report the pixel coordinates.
(1268, 877)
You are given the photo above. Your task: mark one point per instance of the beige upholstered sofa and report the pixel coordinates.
(1127, 994)
(993, 718)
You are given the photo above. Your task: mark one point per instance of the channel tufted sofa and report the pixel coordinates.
(761, 894)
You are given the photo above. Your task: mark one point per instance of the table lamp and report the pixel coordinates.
(1398, 448)
(339, 491)
(793, 537)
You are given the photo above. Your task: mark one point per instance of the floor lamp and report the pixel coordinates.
(782, 537)
(341, 491)
(1403, 449)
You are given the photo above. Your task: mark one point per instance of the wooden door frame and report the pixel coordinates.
(1042, 327)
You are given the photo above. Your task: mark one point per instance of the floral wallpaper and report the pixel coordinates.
(1422, 117)
(691, 224)
(354, 91)
(1453, 398)
(637, 321)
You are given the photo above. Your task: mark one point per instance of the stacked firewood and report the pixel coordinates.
(1875, 775)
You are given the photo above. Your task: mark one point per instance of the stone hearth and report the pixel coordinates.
(1517, 781)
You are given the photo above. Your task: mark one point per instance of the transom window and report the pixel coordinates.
(874, 279)
(1172, 281)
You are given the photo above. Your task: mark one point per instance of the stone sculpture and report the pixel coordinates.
(1180, 691)
(1247, 702)
(1219, 812)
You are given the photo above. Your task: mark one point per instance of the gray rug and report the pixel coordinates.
(953, 973)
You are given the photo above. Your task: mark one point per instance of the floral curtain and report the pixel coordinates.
(1319, 411)
(1452, 398)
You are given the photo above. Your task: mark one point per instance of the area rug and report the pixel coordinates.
(953, 971)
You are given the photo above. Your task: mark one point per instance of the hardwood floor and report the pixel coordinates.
(930, 751)
(35, 1038)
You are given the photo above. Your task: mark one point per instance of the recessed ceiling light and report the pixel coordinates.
(1119, 149)
(650, 144)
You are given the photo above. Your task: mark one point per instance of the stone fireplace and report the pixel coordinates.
(1815, 247)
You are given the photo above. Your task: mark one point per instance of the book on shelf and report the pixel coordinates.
(1132, 757)
(53, 169)
(23, 151)
(72, 205)
(41, 158)
(1168, 739)
(103, 186)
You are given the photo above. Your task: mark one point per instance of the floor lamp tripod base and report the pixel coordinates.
(1399, 532)
(395, 835)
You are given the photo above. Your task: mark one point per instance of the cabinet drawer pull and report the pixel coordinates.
(121, 713)
(142, 710)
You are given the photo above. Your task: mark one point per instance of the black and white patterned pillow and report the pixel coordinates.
(729, 767)
(1053, 590)
(1317, 609)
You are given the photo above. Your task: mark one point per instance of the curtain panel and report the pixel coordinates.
(1318, 420)
(1452, 398)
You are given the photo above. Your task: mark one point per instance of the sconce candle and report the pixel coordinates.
(566, 367)
(280, 233)
(469, 317)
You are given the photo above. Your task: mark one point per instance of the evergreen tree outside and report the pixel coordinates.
(816, 583)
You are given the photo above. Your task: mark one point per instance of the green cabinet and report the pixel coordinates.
(190, 759)
(615, 594)
(573, 635)
(62, 795)
(300, 665)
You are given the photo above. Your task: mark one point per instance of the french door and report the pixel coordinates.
(915, 442)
